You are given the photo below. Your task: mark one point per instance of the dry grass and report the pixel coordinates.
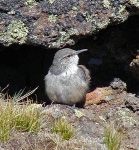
(24, 123)
(113, 136)
(14, 116)
(63, 128)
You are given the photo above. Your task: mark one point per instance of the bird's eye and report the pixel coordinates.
(68, 55)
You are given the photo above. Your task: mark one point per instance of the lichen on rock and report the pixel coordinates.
(16, 32)
(59, 16)
(135, 2)
(30, 3)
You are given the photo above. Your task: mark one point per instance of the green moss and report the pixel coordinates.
(52, 18)
(78, 113)
(126, 117)
(106, 3)
(74, 8)
(103, 24)
(88, 17)
(16, 33)
(73, 32)
(65, 37)
(135, 2)
(12, 12)
(51, 1)
(30, 3)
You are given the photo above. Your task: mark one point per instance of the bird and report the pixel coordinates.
(67, 82)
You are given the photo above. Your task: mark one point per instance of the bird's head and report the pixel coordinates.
(67, 57)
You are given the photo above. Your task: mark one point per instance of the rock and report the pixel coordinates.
(128, 123)
(132, 102)
(105, 94)
(118, 84)
(33, 20)
(134, 66)
(99, 95)
(88, 129)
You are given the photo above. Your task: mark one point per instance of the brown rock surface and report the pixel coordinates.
(57, 23)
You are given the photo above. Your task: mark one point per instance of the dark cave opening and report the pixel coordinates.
(24, 67)
(115, 47)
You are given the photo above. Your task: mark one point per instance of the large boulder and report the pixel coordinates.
(56, 23)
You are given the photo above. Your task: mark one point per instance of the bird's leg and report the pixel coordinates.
(74, 106)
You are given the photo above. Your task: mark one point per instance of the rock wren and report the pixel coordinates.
(66, 81)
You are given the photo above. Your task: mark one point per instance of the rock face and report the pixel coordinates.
(56, 23)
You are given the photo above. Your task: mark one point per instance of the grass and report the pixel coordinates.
(20, 118)
(17, 95)
(113, 137)
(24, 125)
(63, 128)
(27, 119)
(14, 116)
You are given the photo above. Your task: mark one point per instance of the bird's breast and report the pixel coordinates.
(69, 71)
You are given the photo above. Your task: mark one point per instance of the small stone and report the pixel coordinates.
(132, 102)
(118, 84)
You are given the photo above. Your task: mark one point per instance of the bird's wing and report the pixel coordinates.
(84, 73)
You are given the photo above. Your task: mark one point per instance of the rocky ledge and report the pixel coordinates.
(57, 23)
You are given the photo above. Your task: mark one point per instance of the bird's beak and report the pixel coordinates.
(80, 51)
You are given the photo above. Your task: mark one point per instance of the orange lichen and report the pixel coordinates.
(97, 96)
